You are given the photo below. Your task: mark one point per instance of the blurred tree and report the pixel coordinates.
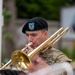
(49, 9)
(6, 15)
(9, 28)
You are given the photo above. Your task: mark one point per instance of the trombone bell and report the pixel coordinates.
(20, 60)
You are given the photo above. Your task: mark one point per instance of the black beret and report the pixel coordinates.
(34, 24)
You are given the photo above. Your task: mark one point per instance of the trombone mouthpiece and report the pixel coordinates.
(30, 43)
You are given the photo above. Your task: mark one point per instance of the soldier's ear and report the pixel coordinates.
(46, 33)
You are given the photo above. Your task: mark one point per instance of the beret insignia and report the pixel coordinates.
(31, 26)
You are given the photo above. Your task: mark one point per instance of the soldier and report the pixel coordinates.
(36, 31)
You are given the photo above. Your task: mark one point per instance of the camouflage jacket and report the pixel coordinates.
(52, 56)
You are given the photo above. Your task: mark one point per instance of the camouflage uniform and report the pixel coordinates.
(53, 55)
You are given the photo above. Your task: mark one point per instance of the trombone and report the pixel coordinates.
(22, 61)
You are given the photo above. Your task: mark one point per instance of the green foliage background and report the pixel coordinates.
(48, 9)
(70, 54)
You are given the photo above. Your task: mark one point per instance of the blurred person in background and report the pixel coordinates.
(36, 31)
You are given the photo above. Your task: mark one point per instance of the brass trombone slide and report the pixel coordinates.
(22, 61)
(50, 41)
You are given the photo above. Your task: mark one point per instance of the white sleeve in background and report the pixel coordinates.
(55, 69)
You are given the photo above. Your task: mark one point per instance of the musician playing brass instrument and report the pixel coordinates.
(36, 31)
(39, 53)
